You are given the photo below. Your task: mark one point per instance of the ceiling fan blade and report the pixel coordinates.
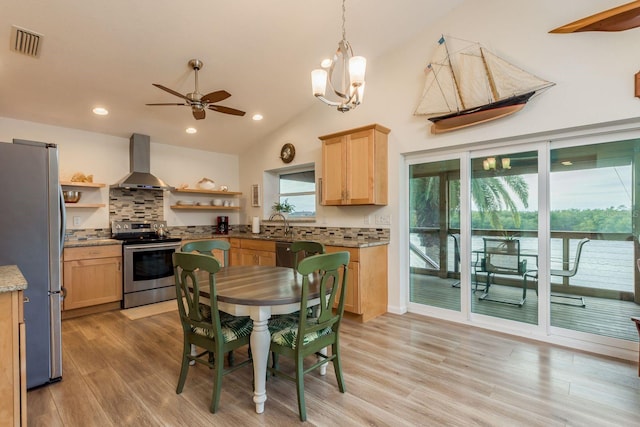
(172, 92)
(226, 110)
(198, 114)
(217, 96)
(169, 103)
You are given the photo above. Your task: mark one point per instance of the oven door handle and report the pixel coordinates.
(152, 246)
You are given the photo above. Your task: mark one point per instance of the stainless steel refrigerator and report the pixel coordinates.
(31, 237)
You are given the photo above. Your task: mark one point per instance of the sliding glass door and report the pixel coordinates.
(594, 192)
(434, 234)
(542, 235)
(504, 235)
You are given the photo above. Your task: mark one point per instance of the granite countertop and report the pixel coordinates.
(330, 241)
(11, 279)
(90, 242)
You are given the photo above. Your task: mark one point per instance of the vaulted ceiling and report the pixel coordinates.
(108, 53)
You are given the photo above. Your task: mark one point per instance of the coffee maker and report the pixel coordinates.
(223, 225)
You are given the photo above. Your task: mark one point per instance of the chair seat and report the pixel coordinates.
(232, 327)
(284, 331)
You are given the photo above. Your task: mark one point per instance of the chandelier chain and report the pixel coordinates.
(344, 31)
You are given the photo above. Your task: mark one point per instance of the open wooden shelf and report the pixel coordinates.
(210, 192)
(85, 205)
(82, 184)
(207, 208)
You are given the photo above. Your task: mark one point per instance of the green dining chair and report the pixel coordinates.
(310, 336)
(307, 247)
(216, 334)
(206, 247)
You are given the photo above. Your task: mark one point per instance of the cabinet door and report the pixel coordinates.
(11, 344)
(253, 257)
(334, 174)
(92, 281)
(352, 297)
(360, 168)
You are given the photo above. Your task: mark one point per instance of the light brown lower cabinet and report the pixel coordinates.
(13, 381)
(252, 252)
(92, 276)
(366, 296)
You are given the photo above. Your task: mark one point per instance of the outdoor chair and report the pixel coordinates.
(456, 257)
(216, 334)
(569, 272)
(310, 336)
(502, 257)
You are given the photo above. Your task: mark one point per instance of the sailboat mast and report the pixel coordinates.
(455, 79)
(492, 84)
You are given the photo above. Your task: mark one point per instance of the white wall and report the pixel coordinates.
(593, 72)
(107, 159)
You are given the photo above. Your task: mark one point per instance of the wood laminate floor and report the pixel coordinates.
(404, 370)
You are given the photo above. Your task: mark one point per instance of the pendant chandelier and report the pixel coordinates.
(351, 69)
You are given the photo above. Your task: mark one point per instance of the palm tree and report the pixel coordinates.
(490, 195)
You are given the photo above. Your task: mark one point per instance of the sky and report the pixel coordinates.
(599, 188)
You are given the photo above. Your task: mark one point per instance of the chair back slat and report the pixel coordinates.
(307, 248)
(331, 272)
(502, 256)
(188, 269)
(206, 247)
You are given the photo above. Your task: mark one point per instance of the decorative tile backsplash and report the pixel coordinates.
(148, 205)
(135, 205)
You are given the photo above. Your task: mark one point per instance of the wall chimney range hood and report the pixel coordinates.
(139, 165)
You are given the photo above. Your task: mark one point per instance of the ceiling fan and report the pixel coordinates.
(199, 102)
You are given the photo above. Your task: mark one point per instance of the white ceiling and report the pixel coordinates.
(108, 53)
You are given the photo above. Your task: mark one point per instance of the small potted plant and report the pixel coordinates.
(283, 207)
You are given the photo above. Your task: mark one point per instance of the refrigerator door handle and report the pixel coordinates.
(63, 219)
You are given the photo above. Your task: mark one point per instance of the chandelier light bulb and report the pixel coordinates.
(326, 63)
(357, 67)
(319, 82)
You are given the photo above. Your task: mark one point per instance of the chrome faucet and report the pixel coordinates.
(287, 229)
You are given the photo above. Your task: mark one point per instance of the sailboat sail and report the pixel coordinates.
(469, 80)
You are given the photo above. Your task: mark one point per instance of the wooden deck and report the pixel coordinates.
(601, 316)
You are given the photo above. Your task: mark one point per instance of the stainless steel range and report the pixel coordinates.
(146, 254)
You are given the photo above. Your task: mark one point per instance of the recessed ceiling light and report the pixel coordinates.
(567, 163)
(191, 130)
(257, 117)
(326, 63)
(100, 111)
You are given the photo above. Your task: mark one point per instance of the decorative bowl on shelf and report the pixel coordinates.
(206, 184)
(186, 202)
(71, 196)
(216, 202)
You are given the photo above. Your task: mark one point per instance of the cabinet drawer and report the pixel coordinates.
(258, 245)
(88, 252)
(235, 243)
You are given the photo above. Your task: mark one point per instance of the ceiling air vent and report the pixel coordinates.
(26, 41)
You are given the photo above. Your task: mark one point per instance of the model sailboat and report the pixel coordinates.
(471, 85)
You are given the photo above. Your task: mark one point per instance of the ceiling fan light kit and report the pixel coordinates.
(352, 69)
(199, 102)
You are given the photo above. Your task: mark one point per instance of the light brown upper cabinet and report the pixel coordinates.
(354, 167)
